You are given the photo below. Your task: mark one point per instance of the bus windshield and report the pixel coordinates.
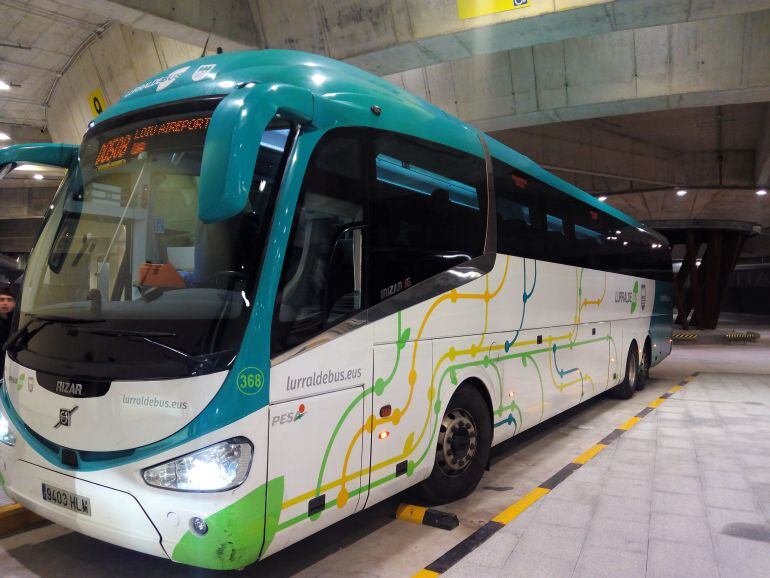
(124, 256)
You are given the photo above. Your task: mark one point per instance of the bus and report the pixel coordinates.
(273, 290)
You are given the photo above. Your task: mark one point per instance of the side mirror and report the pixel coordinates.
(233, 140)
(58, 155)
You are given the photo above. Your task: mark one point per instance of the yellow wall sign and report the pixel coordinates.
(474, 8)
(96, 102)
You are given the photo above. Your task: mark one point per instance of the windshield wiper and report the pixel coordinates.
(196, 363)
(23, 334)
(126, 332)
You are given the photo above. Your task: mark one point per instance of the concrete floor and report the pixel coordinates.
(373, 544)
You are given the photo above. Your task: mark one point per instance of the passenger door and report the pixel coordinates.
(322, 348)
(427, 208)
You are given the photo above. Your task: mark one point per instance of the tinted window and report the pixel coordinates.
(427, 212)
(518, 206)
(539, 221)
(317, 288)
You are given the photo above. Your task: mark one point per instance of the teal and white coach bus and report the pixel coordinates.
(273, 290)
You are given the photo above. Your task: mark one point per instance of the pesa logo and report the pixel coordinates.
(289, 417)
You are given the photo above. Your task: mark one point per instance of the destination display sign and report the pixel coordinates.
(149, 137)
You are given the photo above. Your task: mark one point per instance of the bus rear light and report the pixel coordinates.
(383, 434)
(217, 468)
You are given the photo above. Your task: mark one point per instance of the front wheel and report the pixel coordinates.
(462, 449)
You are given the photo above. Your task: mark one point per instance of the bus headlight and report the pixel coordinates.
(6, 435)
(217, 468)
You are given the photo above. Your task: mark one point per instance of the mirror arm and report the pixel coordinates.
(233, 139)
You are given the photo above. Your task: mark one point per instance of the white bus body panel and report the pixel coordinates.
(135, 413)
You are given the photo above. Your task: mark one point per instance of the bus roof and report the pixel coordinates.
(334, 81)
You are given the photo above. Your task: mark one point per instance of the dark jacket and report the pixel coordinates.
(5, 332)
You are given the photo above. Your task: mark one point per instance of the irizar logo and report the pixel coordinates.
(68, 388)
(289, 417)
(65, 417)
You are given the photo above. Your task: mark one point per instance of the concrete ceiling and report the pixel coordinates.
(638, 160)
(709, 128)
(38, 40)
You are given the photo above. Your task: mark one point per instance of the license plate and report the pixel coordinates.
(68, 500)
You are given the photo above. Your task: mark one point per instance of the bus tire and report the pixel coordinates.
(625, 389)
(644, 367)
(462, 449)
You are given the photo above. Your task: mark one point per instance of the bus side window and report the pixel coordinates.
(317, 284)
(519, 223)
(427, 212)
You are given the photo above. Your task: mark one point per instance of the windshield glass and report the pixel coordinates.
(125, 280)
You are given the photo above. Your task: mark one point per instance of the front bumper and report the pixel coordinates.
(115, 517)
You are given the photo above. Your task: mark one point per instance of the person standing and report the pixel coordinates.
(7, 305)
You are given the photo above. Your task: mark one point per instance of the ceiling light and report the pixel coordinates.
(38, 177)
(762, 192)
(602, 199)
(4, 136)
(4, 85)
(681, 192)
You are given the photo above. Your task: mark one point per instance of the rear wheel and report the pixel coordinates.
(462, 449)
(625, 389)
(644, 368)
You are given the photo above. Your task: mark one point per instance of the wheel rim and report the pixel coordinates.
(456, 442)
(632, 367)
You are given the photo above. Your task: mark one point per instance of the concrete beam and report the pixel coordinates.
(762, 158)
(388, 36)
(709, 62)
(23, 133)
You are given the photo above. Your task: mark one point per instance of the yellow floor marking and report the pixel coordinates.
(656, 402)
(517, 508)
(410, 513)
(675, 389)
(425, 574)
(588, 454)
(630, 423)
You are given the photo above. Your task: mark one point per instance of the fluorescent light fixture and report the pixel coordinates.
(4, 85)
(602, 199)
(38, 177)
(681, 192)
(762, 192)
(4, 136)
